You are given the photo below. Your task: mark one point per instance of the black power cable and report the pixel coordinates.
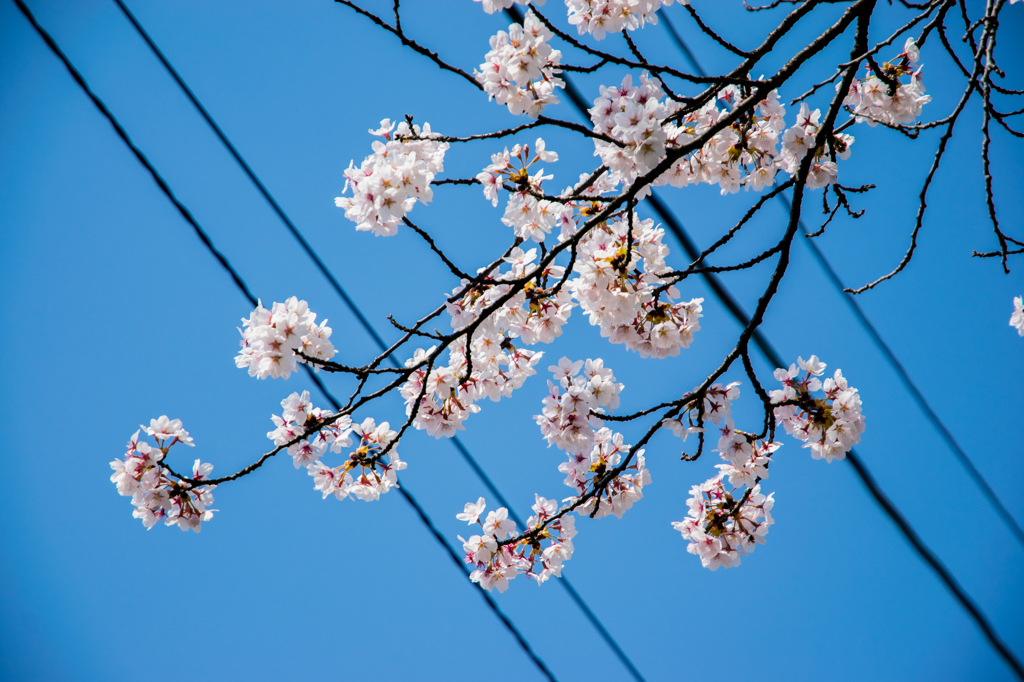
(761, 341)
(364, 322)
(240, 283)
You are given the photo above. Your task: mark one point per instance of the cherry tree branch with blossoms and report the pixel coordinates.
(656, 125)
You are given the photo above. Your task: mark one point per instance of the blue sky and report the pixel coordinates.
(140, 321)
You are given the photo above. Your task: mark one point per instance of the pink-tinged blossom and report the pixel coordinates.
(617, 288)
(164, 429)
(498, 524)
(539, 552)
(472, 512)
(725, 523)
(529, 216)
(492, 6)
(299, 417)
(830, 425)
(871, 101)
(570, 418)
(156, 493)
(1017, 318)
(270, 339)
(601, 17)
(365, 475)
(390, 181)
(521, 69)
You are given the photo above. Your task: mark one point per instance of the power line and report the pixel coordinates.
(915, 541)
(364, 322)
(877, 339)
(240, 283)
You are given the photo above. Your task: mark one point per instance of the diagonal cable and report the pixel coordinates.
(240, 283)
(364, 322)
(879, 342)
(883, 501)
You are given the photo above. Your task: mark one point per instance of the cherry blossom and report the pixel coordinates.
(299, 417)
(621, 289)
(601, 17)
(530, 216)
(520, 71)
(365, 475)
(158, 494)
(390, 181)
(724, 524)
(270, 339)
(538, 553)
(870, 97)
(830, 426)
(1017, 318)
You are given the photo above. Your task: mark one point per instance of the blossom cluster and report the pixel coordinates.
(621, 288)
(270, 339)
(831, 425)
(723, 523)
(521, 67)
(365, 474)
(492, 6)
(870, 98)
(450, 396)
(570, 421)
(632, 116)
(156, 493)
(390, 181)
(1017, 318)
(534, 314)
(540, 552)
(716, 408)
(529, 214)
(601, 17)
(801, 139)
(298, 418)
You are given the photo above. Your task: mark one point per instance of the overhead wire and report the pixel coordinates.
(243, 287)
(773, 357)
(463, 451)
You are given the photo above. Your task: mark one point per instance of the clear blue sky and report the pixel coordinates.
(137, 320)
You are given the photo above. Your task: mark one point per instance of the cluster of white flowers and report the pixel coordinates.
(717, 407)
(800, 139)
(600, 17)
(616, 495)
(527, 213)
(633, 116)
(617, 287)
(298, 417)
(155, 494)
(1017, 318)
(391, 180)
(450, 396)
(497, 562)
(870, 100)
(570, 421)
(831, 425)
(535, 314)
(492, 6)
(270, 339)
(745, 154)
(746, 459)
(374, 477)
(520, 68)
(724, 524)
